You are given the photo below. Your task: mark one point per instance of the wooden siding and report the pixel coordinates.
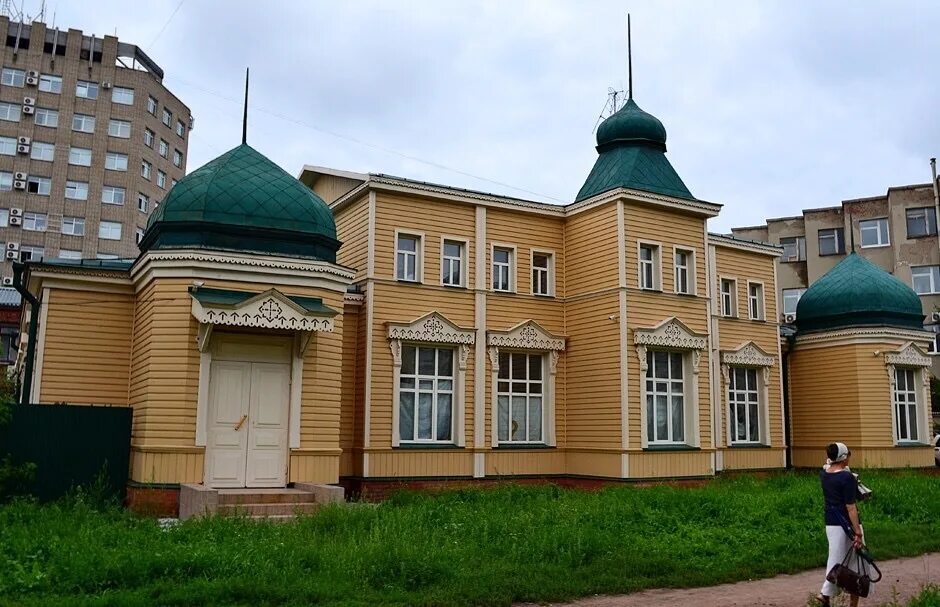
(167, 466)
(313, 467)
(331, 187)
(521, 462)
(753, 459)
(671, 464)
(526, 232)
(84, 359)
(591, 251)
(862, 457)
(352, 229)
(668, 229)
(352, 378)
(594, 463)
(416, 463)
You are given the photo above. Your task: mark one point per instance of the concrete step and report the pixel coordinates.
(267, 510)
(265, 496)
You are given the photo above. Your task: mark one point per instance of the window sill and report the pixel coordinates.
(912, 445)
(748, 446)
(793, 261)
(419, 446)
(544, 295)
(832, 254)
(408, 282)
(684, 294)
(875, 246)
(675, 447)
(447, 286)
(650, 290)
(502, 292)
(517, 446)
(918, 237)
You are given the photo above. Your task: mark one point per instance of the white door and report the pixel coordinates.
(267, 434)
(227, 437)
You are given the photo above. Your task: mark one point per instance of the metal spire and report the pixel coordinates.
(245, 116)
(629, 61)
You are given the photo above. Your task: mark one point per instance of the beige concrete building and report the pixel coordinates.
(90, 142)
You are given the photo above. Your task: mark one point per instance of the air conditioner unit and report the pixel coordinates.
(13, 246)
(32, 74)
(19, 185)
(29, 101)
(16, 221)
(32, 80)
(28, 109)
(20, 176)
(22, 149)
(105, 85)
(8, 281)
(13, 254)
(24, 140)
(16, 212)
(789, 318)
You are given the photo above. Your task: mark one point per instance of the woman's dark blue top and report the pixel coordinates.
(839, 489)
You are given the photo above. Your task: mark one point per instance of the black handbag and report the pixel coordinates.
(855, 580)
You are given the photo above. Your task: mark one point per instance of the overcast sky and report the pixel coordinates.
(770, 107)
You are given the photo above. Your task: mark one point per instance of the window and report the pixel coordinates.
(145, 169)
(8, 146)
(921, 222)
(832, 241)
(69, 254)
(744, 400)
(112, 195)
(148, 138)
(46, 117)
(6, 181)
(519, 399)
(905, 405)
(426, 394)
(10, 112)
(173, 183)
(38, 185)
(50, 84)
(925, 279)
(114, 161)
(83, 123)
(794, 249)
(138, 235)
(76, 190)
(74, 226)
(167, 117)
(180, 128)
(542, 283)
(755, 301)
(161, 179)
(86, 90)
(791, 297)
(683, 264)
(143, 202)
(28, 253)
(874, 232)
(649, 267)
(406, 258)
(109, 230)
(729, 303)
(122, 96)
(502, 269)
(12, 77)
(4, 218)
(34, 222)
(107, 256)
(42, 151)
(119, 128)
(177, 158)
(452, 274)
(665, 397)
(80, 157)
(151, 105)
(164, 148)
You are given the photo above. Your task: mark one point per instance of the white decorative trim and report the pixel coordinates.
(479, 360)
(548, 400)
(527, 335)
(908, 355)
(752, 246)
(354, 299)
(670, 333)
(239, 259)
(433, 327)
(857, 333)
(748, 354)
(41, 345)
(269, 310)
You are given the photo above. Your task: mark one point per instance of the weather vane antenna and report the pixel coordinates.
(629, 61)
(245, 115)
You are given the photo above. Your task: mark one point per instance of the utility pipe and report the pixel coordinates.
(18, 284)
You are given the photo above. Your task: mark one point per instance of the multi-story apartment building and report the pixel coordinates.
(90, 142)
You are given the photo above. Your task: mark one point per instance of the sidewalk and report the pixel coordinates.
(903, 578)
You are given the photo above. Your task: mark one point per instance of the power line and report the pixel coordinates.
(162, 29)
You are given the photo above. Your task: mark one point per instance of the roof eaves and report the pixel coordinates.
(743, 243)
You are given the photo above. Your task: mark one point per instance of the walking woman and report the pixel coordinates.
(843, 527)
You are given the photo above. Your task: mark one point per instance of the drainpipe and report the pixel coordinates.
(786, 402)
(18, 269)
(936, 193)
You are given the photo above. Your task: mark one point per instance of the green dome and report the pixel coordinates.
(633, 125)
(242, 201)
(857, 293)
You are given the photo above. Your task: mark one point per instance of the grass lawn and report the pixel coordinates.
(466, 547)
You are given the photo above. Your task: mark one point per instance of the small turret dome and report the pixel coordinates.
(632, 125)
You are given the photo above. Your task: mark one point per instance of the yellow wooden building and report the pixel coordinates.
(371, 330)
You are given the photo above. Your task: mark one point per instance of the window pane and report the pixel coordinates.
(408, 360)
(503, 413)
(406, 414)
(424, 415)
(407, 383)
(662, 419)
(518, 418)
(518, 366)
(443, 416)
(445, 385)
(650, 417)
(451, 249)
(501, 255)
(675, 360)
(426, 361)
(661, 364)
(504, 365)
(678, 421)
(753, 435)
(535, 366)
(445, 362)
(535, 418)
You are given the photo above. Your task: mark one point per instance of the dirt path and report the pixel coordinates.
(903, 578)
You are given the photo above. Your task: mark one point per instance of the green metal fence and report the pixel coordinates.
(71, 446)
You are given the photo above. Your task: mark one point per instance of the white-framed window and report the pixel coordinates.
(86, 90)
(831, 241)
(145, 169)
(665, 397)
(148, 138)
(729, 297)
(791, 298)
(177, 158)
(112, 195)
(10, 112)
(906, 411)
(35, 222)
(152, 105)
(408, 257)
(114, 161)
(6, 181)
(83, 123)
(874, 232)
(8, 146)
(123, 96)
(426, 394)
(119, 128)
(76, 190)
(69, 254)
(794, 249)
(46, 117)
(73, 226)
(744, 400)
(50, 84)
(453, 253)
(107, 256)
(40, 150)
(502, 269)
(31, 253)
(38, 185)
(80, 157)
(109, 230)
(4, 218)
(921, 222)
(138, 235)
(161, 179)
(755, 301)
(13, 77)
(649, 267)
(167, 117)
(520, 397)
(925, 279)
(180, 128)
(163, 149)
(684, 265)
(143, 202)
(543, 271)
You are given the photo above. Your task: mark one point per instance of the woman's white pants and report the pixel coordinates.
(839, 544)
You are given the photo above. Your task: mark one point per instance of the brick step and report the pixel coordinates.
(256, 496)
(267, 510)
